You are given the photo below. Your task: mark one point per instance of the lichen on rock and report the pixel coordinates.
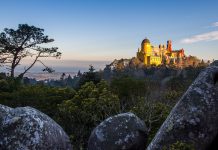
(121, 132)
(27, 128)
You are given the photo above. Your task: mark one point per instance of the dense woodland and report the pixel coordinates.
(78, 110)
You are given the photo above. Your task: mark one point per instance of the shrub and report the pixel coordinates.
(90, 105)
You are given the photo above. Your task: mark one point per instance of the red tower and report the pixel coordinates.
(182, 52)
(169, 45)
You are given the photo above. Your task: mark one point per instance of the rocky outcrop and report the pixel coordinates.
(27, 128)
(123, 131)
(194, 119)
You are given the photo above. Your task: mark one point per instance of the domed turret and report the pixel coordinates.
(145, 41)
(146, 46)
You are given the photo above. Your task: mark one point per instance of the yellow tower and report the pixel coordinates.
(147, 54)
(147, 49)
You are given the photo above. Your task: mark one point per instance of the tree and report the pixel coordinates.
(91, 104)
(91, 68)
(128, 90)
(90, 76)
(41, 97)
(79, 74)
(153, 113)
(62, 76)
(25, 42)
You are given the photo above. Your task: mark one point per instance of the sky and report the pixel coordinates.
(104, 30)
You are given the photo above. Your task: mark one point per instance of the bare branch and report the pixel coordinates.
(33, 63)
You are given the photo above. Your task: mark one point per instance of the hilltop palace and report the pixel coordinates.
(162, 54)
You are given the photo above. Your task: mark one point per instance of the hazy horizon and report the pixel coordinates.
(63, 65)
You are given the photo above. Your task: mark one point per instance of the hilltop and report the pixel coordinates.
(163, 55)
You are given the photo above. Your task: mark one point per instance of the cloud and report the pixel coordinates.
(215, 24)
(209, 36)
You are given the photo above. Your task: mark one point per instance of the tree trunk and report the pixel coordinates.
(12, 71)
(13, 65)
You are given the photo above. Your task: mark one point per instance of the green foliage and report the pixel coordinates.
(4, 86)
(170, 97)
(9, 84)
(41, 97)
(90, 105)
(129, 89)
(2, 75)
(153, 113)
(89, 76)
(180, 146)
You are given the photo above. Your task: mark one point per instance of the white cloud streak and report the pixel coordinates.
(209, 36)
(215, 24)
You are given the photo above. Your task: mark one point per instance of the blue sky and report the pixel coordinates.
(114, 29)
